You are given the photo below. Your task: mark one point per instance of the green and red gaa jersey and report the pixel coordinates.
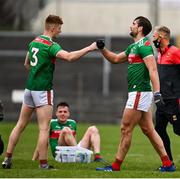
(138, 74)
(55, 130)
(42, 55)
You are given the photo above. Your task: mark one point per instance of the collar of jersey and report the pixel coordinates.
(46, 37)
(139, 40)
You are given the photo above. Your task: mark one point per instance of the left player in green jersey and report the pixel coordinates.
(63, 133)
(141, 70)
(38, 95)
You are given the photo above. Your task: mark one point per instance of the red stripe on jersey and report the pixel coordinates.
(56, 133)
(49, 97)
(138, 95)
(43, 41)
(132, 58)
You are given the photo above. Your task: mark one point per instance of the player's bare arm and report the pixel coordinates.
(113, 57)
(76, 55)
(153, 73)
(27, 61)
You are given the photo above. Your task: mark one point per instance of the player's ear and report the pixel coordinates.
(140, 28)
(52, 27)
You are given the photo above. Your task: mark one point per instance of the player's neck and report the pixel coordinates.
(138, 37)
(47, 34)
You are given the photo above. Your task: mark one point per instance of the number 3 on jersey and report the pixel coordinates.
(34, 51)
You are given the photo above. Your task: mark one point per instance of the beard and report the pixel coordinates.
(132, 34)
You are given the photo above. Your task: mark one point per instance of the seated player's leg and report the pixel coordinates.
(91, 139)
(66, 138)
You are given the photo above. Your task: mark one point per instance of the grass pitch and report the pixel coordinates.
(141, 160)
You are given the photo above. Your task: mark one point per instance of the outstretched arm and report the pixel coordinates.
(112, 57)
(76, 55)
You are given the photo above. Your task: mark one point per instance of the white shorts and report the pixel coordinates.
(139, 100)
(79, 144)
(38, 98)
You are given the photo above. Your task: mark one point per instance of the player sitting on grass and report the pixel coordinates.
(63, 133)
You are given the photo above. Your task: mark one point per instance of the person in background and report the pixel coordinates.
(168, 63)
(38, 95)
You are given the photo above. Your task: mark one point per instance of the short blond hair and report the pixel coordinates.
(165, 31)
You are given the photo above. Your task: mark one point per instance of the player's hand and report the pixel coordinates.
(158, 99)
(100, 44)
(93, 46)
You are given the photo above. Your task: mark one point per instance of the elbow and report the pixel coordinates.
(69, 57)
(115, 61)
(25, 65)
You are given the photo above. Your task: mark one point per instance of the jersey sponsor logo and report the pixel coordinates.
(134, 86)
(58, 127)
(43, 41)
(133, 58)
